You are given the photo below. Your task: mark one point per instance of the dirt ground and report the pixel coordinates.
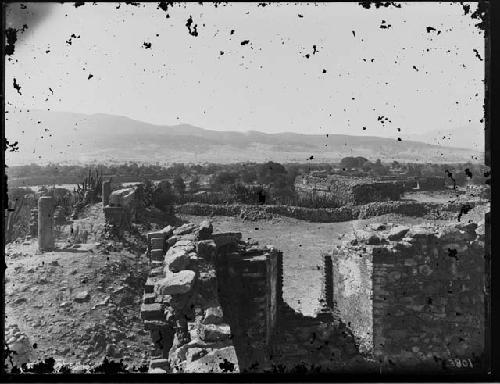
(80, 304)
(302, 244)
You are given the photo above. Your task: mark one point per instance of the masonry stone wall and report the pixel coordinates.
(353, 292)
(214, 303)
(426, 299)
(337, 190)
(328, 215)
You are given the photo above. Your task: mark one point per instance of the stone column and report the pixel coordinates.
(46, 239)
(106, 191)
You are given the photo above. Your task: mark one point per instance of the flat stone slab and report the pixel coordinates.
(206, 249)
(82, 297)
(176, 259)
(176, 283)
(152, 311)
(213, 315)
(215, 332)
(184, 229)
(397, 233)
(150, 283)
(157, 254)
(149, 298)
(205, 230)
(157, 243)
(223, 360)
(159, 363)
(122, 197)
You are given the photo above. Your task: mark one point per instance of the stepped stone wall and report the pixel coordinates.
(414, 295)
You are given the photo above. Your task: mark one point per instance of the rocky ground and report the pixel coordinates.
(77, 304)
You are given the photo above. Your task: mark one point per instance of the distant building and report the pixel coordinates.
(338, 190)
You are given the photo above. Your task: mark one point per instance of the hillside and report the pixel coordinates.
(77, 138)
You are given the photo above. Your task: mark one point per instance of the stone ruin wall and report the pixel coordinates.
(328, 215)
(414, 295)
(337, 191)
(213, 303)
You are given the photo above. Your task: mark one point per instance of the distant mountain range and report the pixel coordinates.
(72, 138)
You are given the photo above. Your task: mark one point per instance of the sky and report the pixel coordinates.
(378, 68)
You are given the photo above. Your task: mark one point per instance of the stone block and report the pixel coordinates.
(157, 370)
(206, 249)
(46, 238)
(222, 360)
(378, 226)
(159, 363)
(383, 255)
(184, 229)
(187, 245)
(156, 264)
(113, 215)
(155, 272)
(150, 283)
(176, 259)
(168, 230)
(223, 239)
(397, 233)
(213, 315)
(149, 298)
(172, 240)
(215, 332)
(419, 231)
(152, 311)
(158, 243)
(106, 191)
(193, 354)
(189, 236)
(176, 283)
(155, 325)
(157, 254)
(122, 197)
(205, 230)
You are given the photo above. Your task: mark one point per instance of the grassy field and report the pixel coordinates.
(301, 243)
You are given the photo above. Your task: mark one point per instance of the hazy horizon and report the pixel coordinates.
(184, 123)
(303, 68)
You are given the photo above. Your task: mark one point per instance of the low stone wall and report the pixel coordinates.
(414, 295)
(431, 183)
(326, 215)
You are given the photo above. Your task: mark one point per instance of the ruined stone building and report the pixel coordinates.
(415, 294)
(337, 190)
